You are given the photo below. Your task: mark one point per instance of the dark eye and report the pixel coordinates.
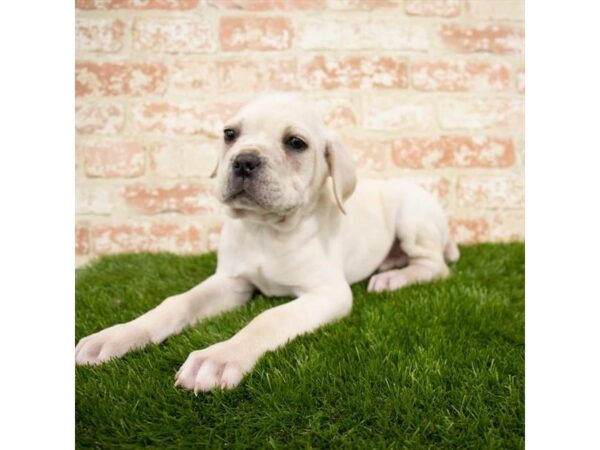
(295, 143)
(229, 134)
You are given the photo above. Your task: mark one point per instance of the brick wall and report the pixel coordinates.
(432, 90)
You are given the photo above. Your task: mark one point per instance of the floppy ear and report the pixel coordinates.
(214, 172)
(341, 169)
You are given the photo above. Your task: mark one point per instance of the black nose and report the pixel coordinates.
(245, 165)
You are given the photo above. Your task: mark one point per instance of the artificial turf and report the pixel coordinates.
(438, 365)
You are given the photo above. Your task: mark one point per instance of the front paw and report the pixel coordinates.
(109, 343)
(222, 365)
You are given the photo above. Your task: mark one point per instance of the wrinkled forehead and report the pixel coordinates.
(274, 114)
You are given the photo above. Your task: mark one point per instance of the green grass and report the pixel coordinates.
(439, 365)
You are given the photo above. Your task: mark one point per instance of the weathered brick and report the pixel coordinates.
(101, 4)
(480, 113)
(354, 72)
(442, 8)
(369, 155)
(174, 35)
(110, 79)
(186, 198)
(336, 113)
(264, 5)
(362, 34)
(469, 230)
(501, 191)
(114, 159)
(508, 226)
(499, 39)
(78, 157)
(256, 76)
(185, 118)
(213, 236)
(460, 75)
(394, 113)
(137, 236)
(437, 185)
(189, 75)
(99, 118)
(500, 227)
(361, 4)
(521, 80)
(93, 199)
(496, 9)
(99, 35)
(136, 4)
(470, 106)
(289, 5)
(82, 260)
(82, 239)
(453, 151)
(174, 159)
(255, 33)
(520, 145)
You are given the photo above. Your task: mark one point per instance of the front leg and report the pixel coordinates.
(224, 364)
(216, 294)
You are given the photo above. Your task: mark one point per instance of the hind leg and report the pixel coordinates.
(396, 258)
(425, 263)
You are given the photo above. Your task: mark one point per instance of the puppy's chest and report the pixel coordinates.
(262, 277)
(274, 271)
(268, 277)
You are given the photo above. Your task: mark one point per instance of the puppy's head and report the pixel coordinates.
(276, 157)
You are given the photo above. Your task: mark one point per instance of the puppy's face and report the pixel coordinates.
(272, 159)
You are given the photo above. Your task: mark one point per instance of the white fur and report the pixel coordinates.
(291, 238)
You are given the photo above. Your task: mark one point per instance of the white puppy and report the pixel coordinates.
(290, 232)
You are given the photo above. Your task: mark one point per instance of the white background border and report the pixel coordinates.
(37, 224)
(562, 225)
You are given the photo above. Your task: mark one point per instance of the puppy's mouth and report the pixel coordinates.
(242, 192)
